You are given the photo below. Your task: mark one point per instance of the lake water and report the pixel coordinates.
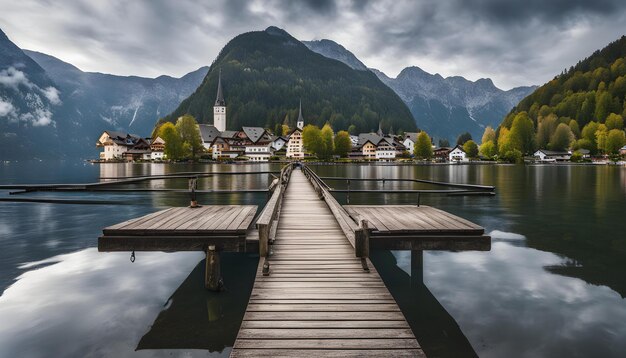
(553, 284)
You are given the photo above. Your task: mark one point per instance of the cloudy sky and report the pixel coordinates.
(517, 42)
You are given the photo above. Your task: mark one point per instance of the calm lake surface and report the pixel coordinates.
(553, 284)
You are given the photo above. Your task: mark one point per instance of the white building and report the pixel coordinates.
(157, 148)
(354, 139)
(409, 142)
(278, 143)
(219, 110)
(295, 145)
(458, 155)
(114, 144)
(259, 153)
(385, 151)
(545, 155)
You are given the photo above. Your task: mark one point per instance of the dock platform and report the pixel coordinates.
(317, 300)
(411, 227)
(182, 229)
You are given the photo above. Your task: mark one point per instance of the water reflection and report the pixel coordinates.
(509, 306)
(101, 303)
(201, 319)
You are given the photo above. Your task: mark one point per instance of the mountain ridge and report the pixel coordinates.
(443, 107)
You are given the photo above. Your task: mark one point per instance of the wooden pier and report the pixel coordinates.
(317, 300)
(316, 292)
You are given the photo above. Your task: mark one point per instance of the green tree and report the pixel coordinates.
(463, 138)
(489, 135)
(545, 129)
(189, 132)
(615, 140)
(328, 147)
(352, 129)
(504, 141)
(173, 142)
(589, 135)
(522, 135)
(278, 130)
(312, 139)
(423, 148)
(603, 105)
(573, 125)
(443, 143)
(471, 149)
(487, 149)
(343, 145)
(614, 121)
(601, 137)
(561, 138)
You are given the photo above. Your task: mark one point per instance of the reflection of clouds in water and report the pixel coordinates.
(506, 236)
(89, 304)
(509, 288)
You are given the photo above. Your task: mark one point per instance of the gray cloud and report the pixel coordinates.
(513, 42)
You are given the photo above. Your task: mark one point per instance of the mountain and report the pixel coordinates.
(50, 109)
(127, 103)
(331, 49)
(591, 90)
(266, 73)
(443, 107)
(28, 98)
(447, 107)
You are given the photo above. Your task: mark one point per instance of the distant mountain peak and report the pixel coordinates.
(277, 31)
(333, 50)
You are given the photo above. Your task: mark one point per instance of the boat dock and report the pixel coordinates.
(316, 292)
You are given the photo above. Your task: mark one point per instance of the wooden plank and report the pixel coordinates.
(336, 353)
(402, 343)
(324, 333)
(325, 324)
(326, 307)
(321, 316)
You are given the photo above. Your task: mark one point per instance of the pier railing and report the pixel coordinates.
(267, 221)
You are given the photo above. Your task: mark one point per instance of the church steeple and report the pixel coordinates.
(380, 130)
(300, 123)
(219, 109)
(219, 100)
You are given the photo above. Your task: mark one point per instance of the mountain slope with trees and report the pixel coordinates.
(266, 73)
(582, 108)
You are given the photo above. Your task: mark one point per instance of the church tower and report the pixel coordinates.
(300, 123)
(219, 109)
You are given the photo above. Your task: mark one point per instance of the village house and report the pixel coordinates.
(545, 155)
(409, 141)
(295, 145)
(441, 153)
(157, 148)
(457, 154)
(115, 144)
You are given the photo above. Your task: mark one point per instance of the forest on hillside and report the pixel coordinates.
(582, 108)
(266, 73)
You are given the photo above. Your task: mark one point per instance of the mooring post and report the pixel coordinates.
(213, 276)
(193, 183)
(417, 267)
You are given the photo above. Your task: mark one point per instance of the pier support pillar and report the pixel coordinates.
(417, 268)
(213, 276)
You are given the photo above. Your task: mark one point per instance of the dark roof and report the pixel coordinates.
(228, 134)
(553, 152)
(372, 137)
(253, 133)
(219, 100)
(208, 132)
(458, 146)
(411, 135)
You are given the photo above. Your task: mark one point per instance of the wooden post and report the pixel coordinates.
(213, 276)
(417, 268)
(362, 244)
(264, 239)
